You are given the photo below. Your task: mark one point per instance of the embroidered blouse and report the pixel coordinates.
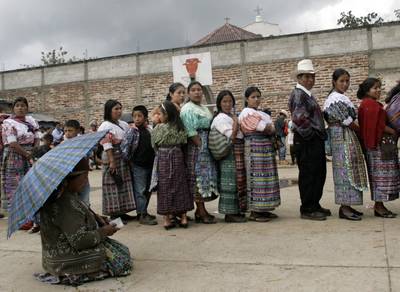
(224, 124)
(24, 133)
(339, 109)
(116, 133)
(195, 117)
(167, 135)
(252, 120)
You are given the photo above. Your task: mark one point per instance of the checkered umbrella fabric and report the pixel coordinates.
(45, 176)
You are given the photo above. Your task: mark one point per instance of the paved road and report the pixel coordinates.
(287, 254)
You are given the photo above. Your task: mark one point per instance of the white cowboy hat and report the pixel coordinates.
(305, 67)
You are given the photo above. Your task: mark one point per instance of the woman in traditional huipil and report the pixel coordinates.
(231, 171)
(349, 172)
(167, 139)
(118, 198)
(201, 168)
(383, 168)
(20, 133)
(262, 175)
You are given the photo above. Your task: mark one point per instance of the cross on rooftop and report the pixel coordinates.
(258, 10)
(227, 19)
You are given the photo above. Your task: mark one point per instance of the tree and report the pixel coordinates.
(350, 20)
(53, 57)
(397, 13)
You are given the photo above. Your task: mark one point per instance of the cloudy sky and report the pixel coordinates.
(113, 27)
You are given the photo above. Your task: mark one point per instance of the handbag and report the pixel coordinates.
(388, 147)
(218, 144)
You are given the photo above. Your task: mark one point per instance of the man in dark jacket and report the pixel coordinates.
(309, 136)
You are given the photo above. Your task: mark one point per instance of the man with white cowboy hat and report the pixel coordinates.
(281, 133)
(309, 136)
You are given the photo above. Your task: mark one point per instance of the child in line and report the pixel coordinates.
(168, 137)
(136, 149)
(72, 128)
(45, 146)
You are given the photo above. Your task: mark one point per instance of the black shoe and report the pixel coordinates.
(1, 216)
(327, 212)
(352, 216)
(151, 216)
(235, 219)
(169, 226)
(385, 214)
(318, 216)
(358, 213)
(270, 215)
(145, 219)
(127, 217)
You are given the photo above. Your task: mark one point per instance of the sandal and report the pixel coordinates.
(258, 218)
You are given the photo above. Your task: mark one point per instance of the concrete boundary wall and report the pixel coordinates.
(383, 42)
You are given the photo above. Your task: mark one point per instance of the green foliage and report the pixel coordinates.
(350, 20)
(397, 13)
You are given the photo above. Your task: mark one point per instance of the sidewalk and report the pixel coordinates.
(288, 254)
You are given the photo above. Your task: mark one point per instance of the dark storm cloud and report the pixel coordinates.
(116, 27)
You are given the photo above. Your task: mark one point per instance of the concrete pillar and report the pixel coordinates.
(88, 107)
(138, 79)
(306, 46)
(3, 83)
(243, 69)
(42, 98)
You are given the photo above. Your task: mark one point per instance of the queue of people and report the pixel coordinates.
(190, 157)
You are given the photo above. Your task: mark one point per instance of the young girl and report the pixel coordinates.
(167, 138)
(383, 172)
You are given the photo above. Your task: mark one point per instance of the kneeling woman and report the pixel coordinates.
(262, 175)
(232, 174)
(75, 244)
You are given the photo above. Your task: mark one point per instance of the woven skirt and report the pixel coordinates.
(173, 196)
(384, 176)
(349, 172)
(117, 200)
(14, 167)
(202, 170)
(263, 193)
(232, 181)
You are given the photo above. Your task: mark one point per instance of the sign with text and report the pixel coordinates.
(190, 67)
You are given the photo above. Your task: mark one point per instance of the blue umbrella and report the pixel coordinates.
(45, 176)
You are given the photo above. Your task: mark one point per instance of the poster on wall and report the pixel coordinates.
(192, 67)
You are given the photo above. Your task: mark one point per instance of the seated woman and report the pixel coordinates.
(75, 244)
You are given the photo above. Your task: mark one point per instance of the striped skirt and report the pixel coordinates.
(117, 200)
(384, 176)
(349, 172)
(14, 167)
(173, 196)
(232, 181)
(202, 170)
(263, 193)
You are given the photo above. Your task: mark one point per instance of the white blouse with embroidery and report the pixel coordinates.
(116, 131)
(224, 124)
(15, 131)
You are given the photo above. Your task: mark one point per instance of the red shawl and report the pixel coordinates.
(372, 119)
